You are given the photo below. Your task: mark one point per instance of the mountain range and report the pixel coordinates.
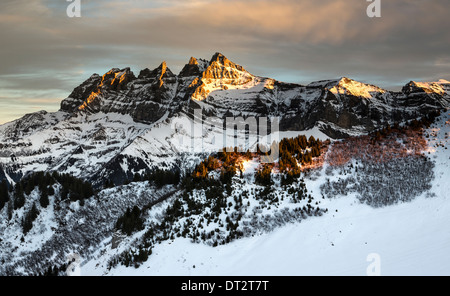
(119, 124)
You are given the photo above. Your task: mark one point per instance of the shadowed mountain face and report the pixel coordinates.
(115, 125)
(339, 106)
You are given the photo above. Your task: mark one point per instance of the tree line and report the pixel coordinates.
(71, 188)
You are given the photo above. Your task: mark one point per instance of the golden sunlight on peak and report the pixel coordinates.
(193, 61)
(89, 100)
(269, 84)
(431, 87)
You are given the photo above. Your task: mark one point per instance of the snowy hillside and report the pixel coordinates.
(294, 229)
(409, 238)
(66, 227)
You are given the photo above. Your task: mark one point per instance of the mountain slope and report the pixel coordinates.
(408, 238)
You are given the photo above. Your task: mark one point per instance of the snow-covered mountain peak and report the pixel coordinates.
(347, 86)
(220, 61)
(193, 68)
(440, 87)
(219, 57)
(193, 61)
(221, 74)
(117, 79)
(113, 80)
(161, 72)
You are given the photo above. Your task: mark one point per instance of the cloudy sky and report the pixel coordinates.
(45, 54)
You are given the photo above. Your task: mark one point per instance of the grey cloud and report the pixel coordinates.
(296, 41)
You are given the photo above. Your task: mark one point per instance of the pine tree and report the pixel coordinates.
(19, 197)
(137, 178)
(27, 222)
(263, 175)
(10, 210)
(51, 190)
(64, 192)
(4, 195)
(43, 200)
(131, 221)
(109, 184)
(87, 190)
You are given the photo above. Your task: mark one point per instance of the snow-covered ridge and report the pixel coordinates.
(440, 87)
(355, 88)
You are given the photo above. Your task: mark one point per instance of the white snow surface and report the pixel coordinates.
(440, 87)
(410, 238)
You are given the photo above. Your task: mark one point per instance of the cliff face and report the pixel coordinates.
(119, 91)
(221, 87)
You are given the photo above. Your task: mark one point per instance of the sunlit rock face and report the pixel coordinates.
(221, 87)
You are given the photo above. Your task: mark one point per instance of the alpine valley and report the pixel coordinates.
(121, 181)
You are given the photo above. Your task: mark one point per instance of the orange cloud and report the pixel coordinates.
(328, 21)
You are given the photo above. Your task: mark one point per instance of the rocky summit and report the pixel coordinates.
(339, 107)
